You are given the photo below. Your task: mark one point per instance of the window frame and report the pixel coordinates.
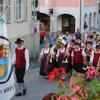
(20, 10)
(1, 6)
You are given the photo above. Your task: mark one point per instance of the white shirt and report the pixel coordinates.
(26, 57)
(83, 53)
(67, 53)
(44, 50)
(52, 53)
(92, 55)
(62, 50)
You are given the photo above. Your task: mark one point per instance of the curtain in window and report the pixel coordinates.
(20, 10)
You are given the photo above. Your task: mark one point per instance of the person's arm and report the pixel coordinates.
(84, 58)
(14, 58)
(72, 56)
(83, 53)
(91, 57)
(57, 55)
(41, 54)
(27, 58)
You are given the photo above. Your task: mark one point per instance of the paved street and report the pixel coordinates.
(37, 85)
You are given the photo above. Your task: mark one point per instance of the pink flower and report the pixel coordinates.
(91, 72)
(76, 89)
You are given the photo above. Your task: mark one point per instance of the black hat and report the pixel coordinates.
(73, 41)
(89, 42)
(19, 41)
(98, 46)
(77, 43)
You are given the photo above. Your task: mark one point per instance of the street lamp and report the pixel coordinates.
(80, 15)
(51, 19)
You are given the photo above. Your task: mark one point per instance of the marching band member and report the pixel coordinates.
(54, 54)
(95, 57)
(78, 58)
(89, 51)
(70, 48)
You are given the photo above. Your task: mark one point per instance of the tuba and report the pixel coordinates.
(96, 36)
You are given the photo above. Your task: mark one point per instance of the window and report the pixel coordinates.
(1, 5)
(20, 10)
(8, 12)
(85, 21)
(99, 8)
(90, 20)
(94, 20)
(35, 3)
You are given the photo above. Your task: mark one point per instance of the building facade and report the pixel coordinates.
(98, 15)
(68, 15)
(18, 15)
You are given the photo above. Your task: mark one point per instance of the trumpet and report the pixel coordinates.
(89, 50)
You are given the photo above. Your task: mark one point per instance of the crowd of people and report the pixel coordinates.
(71, 51)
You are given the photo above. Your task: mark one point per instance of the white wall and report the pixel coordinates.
(23, 30)
(59, 23)
(88, 10)
(98, 22)
(20, 28)
(63, 10)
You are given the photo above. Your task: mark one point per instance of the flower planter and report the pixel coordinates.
(74, 79)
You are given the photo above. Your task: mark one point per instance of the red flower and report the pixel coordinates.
(56, 73)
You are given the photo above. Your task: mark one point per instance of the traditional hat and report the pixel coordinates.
(19, 41)
(78, 42)
(89, 42)
(73, 41)
(98, 46)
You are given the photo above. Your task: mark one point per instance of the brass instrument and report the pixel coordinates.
(96, 36)
(89, 51)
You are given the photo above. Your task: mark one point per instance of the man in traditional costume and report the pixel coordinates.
(21, 62)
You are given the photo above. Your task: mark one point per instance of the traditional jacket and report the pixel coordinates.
(96, 58)
(77, 56)
(21, 58)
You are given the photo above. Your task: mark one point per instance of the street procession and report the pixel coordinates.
(64, 59)
(49, 50)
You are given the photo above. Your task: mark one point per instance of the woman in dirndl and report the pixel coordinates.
(44, 58)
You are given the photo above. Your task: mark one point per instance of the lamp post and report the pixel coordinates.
(51, 19)
(35, 30)
(80, 15)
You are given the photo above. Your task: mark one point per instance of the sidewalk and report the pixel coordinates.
(33, 63)
(34, 66)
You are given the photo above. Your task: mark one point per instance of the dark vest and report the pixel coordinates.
(20, 58)
(96, 58)
(78, 58)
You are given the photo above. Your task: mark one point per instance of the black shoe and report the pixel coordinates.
(18, 94)
(24, 91)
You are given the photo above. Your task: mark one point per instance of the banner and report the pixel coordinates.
(7, 88)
